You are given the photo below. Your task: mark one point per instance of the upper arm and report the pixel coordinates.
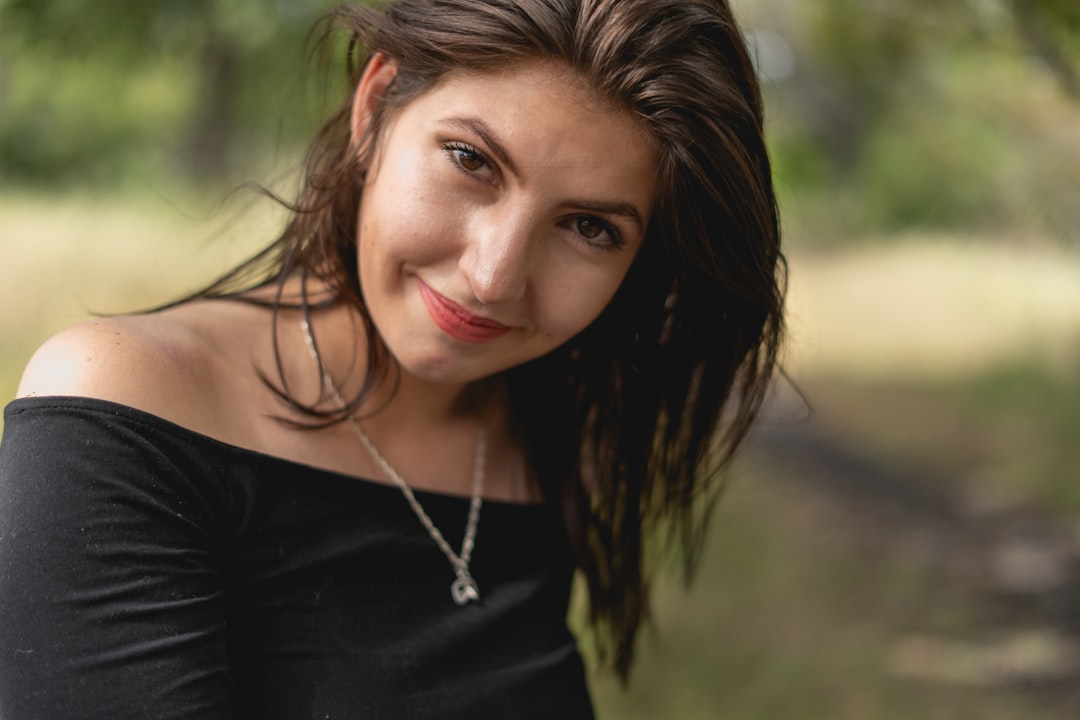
(111, 593)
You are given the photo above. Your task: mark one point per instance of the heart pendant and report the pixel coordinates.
(464, 590)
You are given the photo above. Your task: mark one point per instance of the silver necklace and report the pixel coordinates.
(464, 588)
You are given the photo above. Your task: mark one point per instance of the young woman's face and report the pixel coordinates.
(501, 213)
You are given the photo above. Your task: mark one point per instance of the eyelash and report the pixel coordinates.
(615, 239)
(454, 148)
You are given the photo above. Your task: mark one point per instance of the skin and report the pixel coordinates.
(516, 198)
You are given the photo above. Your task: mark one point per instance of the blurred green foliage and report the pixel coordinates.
(908, 115)
(101, 93)
(885, 115)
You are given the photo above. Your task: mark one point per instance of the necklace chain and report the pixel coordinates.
(464, 588)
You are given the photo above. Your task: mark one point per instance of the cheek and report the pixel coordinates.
(414, 224)
(405, 236)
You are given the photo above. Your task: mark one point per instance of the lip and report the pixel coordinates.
(456, 321)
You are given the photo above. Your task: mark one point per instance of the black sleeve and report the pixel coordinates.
(110, 581)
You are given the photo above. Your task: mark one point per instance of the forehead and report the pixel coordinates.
(530, 82)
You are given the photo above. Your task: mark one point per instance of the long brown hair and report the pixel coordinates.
(629, 424)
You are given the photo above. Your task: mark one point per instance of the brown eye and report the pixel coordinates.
(470, 161)
(589, 228)
(594, 232)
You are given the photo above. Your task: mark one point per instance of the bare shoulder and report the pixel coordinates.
(103, 358)
(168, 363)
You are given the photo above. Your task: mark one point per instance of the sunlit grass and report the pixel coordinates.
(933, 307)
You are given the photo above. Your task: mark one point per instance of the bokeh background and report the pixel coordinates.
(901, 538)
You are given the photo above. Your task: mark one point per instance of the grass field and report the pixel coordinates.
(933, 351)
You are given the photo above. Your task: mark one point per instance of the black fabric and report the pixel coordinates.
(148, 571)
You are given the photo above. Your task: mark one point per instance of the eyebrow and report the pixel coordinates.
(484, 131)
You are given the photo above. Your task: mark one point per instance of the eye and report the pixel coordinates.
(595, 232)
(468, 159)
(590, 228)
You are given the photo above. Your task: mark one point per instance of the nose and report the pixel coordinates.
(498, 257)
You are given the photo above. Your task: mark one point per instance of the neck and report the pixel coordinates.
(405, 397)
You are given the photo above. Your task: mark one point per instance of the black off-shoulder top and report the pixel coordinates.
(148, 571)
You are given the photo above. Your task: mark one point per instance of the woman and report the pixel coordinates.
(525, 309)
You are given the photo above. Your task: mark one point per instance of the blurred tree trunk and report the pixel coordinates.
(860, 51)
(210, 141)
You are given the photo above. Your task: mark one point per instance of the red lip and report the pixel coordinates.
(456, 321)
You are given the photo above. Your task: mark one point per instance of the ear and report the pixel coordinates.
(378, 74)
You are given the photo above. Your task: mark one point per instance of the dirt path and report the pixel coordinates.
(1020, 566)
